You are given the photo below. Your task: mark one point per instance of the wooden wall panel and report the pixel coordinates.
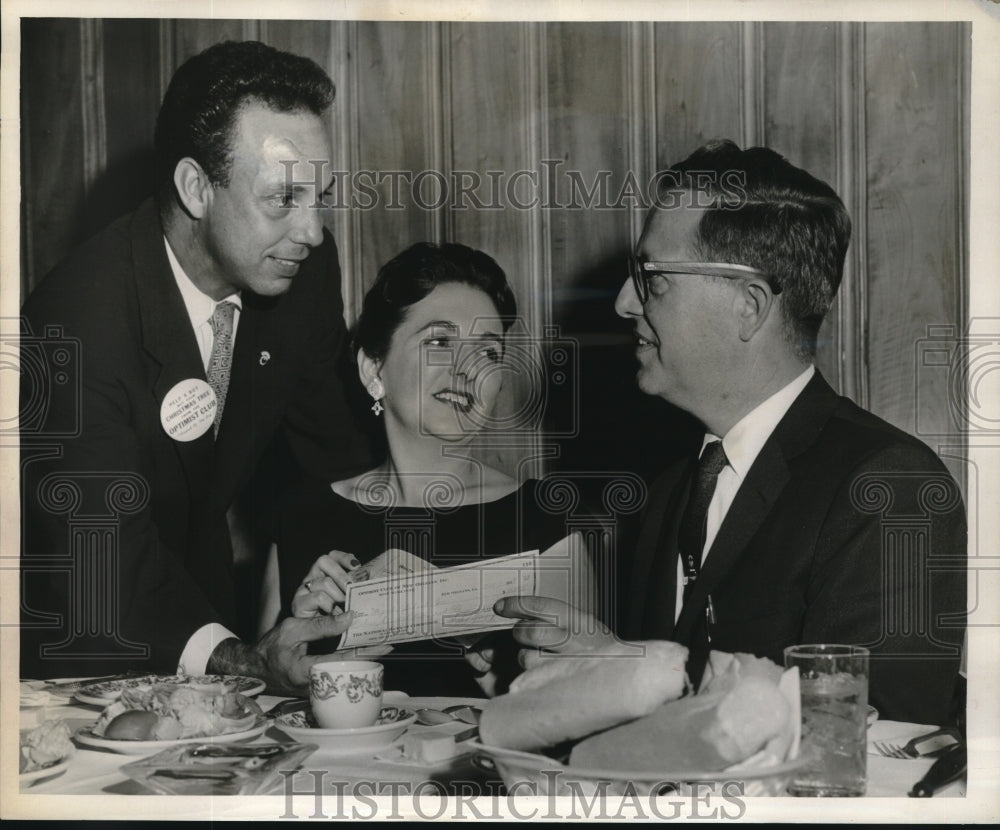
(699, 87)
(915, 136)
(878, 110)
(398, 84)
(192, 36)
(309, 38)
(131, 74)
(588, 131)
(493, 80)
(490, 124)
(800, 88)
(602, 124)
(53, 203)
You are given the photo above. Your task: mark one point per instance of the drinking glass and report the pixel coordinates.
(834, 688)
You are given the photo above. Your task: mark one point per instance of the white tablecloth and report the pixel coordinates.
(98, 772)
(895, 777)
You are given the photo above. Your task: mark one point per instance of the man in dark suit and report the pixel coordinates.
(805, 519)
(209, 329)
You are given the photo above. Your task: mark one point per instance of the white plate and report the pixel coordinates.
(56, 692)
(85, 736)
(57, 768)
(108, 691)
(356, 741)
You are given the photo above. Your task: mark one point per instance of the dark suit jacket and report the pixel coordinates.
(126, 550)
(846, 530)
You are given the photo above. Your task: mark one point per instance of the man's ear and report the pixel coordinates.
(194, 190)
(756, 303)
(368, 368)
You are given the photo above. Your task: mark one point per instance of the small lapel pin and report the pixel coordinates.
(264, 358)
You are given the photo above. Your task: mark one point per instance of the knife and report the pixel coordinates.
(86, 681)
(185, 773)
(466, 734)
(285, 706)
(236, 750)
(950, 766)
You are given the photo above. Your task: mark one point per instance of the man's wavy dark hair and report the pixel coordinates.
(207, 93)
(769, 214)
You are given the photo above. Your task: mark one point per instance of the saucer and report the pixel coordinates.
(392, 722)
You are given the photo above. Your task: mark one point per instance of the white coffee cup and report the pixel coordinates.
(345, 695)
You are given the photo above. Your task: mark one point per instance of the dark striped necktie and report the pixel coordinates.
(691, 534)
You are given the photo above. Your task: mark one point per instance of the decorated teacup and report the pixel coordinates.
(345, 695)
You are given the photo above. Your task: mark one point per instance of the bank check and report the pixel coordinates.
(442, 602)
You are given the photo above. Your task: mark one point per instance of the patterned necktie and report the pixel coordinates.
(221, 360)
(691, 535)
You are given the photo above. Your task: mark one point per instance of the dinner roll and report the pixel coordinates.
(704, 733)
(133, 725)
(568, 697)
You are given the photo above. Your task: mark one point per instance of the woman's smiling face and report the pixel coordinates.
(443, 370)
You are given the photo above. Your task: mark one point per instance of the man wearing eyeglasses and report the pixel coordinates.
(805, 519)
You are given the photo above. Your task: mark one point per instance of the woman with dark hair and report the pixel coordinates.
(430, 351)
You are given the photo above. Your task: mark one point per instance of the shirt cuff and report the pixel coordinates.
(194, 658)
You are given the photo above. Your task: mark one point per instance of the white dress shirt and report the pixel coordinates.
(742, 444)
(200, 308)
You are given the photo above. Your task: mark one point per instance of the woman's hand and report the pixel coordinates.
(323, 591)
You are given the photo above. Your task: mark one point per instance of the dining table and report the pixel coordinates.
(96, 771)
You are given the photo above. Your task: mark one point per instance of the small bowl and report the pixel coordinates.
(391, 724)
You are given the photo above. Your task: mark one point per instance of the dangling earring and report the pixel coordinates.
(377, 391)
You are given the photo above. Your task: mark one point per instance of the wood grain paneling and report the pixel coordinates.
(879, 110)
(93, 124)
(602, 130)
(394, 87)
(193, 36)
(345, 223)
(131, 73)
(53, 203)
(846, 326)
(491, 130)
(309, 38)
(699, 86)
(799, 62)
(589, 142)
(494, 87)
(754, 84)
(914, 139)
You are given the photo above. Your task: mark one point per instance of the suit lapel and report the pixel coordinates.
(653, 587)
(167, 336)
(770, 472)
(756, 496)
(252, 390)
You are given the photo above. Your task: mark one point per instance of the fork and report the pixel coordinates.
(923, 746)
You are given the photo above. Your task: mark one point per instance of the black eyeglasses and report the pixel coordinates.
(641, 271)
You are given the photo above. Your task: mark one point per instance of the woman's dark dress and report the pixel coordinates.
(317, 520)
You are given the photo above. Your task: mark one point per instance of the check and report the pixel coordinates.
(441, 602)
